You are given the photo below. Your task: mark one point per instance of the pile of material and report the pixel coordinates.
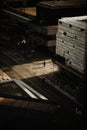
(71, 42)
(3, 76)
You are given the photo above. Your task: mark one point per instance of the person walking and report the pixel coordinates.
(44, 63)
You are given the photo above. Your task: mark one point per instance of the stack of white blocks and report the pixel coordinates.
(71, 42)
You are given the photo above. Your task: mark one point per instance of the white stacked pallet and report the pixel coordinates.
(71, 42)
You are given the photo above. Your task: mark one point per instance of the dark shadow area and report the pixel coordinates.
(21, 3)
(60, 115)
(19, 57)
(85, 83)
(50, 11)
(57, 85)
(69, 108)
(17, 36)
(30, 119)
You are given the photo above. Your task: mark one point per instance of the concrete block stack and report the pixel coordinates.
(71, 42)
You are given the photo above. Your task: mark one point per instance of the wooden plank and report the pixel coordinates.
(72, 35)
(18, 16)
(43, 30)
(69, 45)
(75, 52)
(69, 39)
(38, 106)
(51, 30)
(76, 22)
(28, 10)
(72, 30)
(51, 43)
